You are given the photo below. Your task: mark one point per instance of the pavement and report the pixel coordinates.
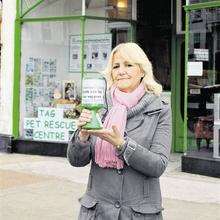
(47, 188)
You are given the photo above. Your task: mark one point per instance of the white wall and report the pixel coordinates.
(7, 66)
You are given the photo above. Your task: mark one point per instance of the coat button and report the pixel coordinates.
(119, 172)
(137, 214)
(117, 205)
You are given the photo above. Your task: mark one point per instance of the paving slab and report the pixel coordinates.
(48, 188)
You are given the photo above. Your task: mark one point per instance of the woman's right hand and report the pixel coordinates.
(84, 117)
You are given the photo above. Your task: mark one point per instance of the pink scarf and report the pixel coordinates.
(105, 153)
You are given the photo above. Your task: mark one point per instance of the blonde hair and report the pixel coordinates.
(132, 53)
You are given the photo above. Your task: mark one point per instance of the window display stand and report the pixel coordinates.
(205, 163)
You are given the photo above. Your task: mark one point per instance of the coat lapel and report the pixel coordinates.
(134, 122)
(153, 107)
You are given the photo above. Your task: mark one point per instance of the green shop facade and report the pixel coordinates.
(202, 87)
(57, 42)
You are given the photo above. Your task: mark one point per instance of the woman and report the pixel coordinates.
(131, 152)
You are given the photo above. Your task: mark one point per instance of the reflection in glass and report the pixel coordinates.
(199, 1)
(121, 9)
(53, 8)
(111, 8)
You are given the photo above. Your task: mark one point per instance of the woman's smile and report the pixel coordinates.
(123, 79)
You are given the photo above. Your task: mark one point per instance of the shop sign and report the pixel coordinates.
(50, 125)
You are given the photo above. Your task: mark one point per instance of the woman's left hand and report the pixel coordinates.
(113, 135)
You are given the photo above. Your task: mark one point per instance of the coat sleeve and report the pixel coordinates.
(79, 153)
(152, 162)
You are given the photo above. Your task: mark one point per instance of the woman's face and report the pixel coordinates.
(126, 76)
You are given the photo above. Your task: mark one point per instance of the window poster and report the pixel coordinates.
(96, 52)
(40, 82)
(69, 88)
(49, 125)
(201, 54)
(195, 68)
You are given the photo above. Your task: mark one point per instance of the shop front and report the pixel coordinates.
(56, 44)
(202, 90)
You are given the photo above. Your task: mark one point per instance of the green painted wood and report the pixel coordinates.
(46, 19)
(64, 18)
(202, 5)
(186, 81)
(16, 79)
(132, 32)
(178, 122)
(82, 38)
(32, 8)
(173, 88)
(177, 119)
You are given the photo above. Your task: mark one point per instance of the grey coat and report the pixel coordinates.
(133, 192)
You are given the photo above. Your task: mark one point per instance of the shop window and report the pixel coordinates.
(96, 8)
(120, 9)
(203, 79)
(51, 72)
(49, 90)
(51, 61)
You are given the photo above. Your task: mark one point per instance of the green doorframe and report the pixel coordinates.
(212, 4)
(173, 88)
(185, 119)
(16, 78)
(31, 8)
(176, 87)
(177, 117)
(82, 35)
(20, 19)
(188, 9)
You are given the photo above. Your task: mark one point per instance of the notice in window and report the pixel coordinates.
(96, 52)
(195, 69)
(201, 54)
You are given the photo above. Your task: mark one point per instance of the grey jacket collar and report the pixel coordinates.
(149, 103)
